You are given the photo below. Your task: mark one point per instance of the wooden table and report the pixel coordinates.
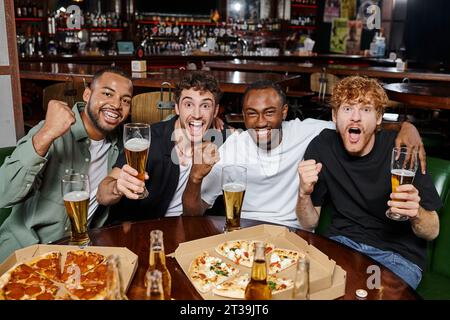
(336, 69)
(135, 236)
(424, 95)
(230, 81)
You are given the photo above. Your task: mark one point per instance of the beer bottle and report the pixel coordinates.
(155, 286)
(258, 288)
(113, 280)
(301, 283)
(157, 261)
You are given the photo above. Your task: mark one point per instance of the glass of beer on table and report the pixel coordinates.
(136, 141)
(234, 183)
(404, 165)
(75, 192)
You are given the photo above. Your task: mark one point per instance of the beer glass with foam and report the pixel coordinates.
(75, 192)
(136, 141)
(404, 165)
(234, 183)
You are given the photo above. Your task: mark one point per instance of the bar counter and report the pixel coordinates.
(336, 69)
(177, 59)
(230, 81)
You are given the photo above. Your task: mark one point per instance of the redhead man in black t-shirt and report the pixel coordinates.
(350, 168)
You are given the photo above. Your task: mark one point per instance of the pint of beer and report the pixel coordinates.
(136, 141)
(234, 181)
(404, 165)
(136, 153)
(75, 191)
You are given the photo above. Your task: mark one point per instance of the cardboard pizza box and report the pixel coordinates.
(128, 260)
(322, 269)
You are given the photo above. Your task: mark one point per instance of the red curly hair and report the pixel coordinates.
(362, 90)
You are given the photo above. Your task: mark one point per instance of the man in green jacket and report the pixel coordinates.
(83, 139)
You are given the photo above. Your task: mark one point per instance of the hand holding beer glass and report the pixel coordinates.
(75, 192)
(136, 141)
(234, 183)
(403, 169)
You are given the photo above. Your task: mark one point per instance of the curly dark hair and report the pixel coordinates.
(198, 80)
(357, 89)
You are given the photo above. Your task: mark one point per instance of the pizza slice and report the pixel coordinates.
(235, 288)
(79, 262)
(207, 271)
(23, 283)
(282, 259)
(241, 252)
(47, 265)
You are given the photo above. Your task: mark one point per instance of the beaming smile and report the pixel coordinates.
(111, 116)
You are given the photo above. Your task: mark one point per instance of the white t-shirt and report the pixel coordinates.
(176, 206)
(98, 170)
(272, 177)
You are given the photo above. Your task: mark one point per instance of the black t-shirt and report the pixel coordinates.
(359, 188)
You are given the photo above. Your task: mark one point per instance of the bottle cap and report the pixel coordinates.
(361, 294)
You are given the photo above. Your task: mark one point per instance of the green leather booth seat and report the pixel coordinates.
(435, 283)
(4, 152)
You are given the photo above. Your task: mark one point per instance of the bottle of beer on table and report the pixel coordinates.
(258, 288)
(157, 261)
(155, 286)
(301, 283)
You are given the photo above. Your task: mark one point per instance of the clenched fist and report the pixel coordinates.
(205, 156)
(308, 171)
(58, 119)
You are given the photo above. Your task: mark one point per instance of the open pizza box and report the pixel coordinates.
(127, 267)
(327, 280)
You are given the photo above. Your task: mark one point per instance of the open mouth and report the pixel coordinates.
(354, 134)
(196, 127)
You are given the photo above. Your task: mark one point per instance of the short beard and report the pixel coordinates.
(94, 120)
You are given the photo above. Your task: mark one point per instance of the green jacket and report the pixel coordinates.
(31, 184)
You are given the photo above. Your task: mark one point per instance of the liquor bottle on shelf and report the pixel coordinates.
(258, 288)
(18, 9)
(39, 44)
(157, 261)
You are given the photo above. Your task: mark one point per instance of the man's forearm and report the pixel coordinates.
(192, 199)
(307, 215)
(426, 224)
(107, 193)
(42, 142)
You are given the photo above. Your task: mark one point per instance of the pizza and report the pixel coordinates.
(281, 259)
(84, 260)
(85, 276)
(207, 271)
(241, 252)
(23, 283)
(235, 288)
(48, 264)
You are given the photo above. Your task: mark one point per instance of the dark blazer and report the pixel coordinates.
(162, 182)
